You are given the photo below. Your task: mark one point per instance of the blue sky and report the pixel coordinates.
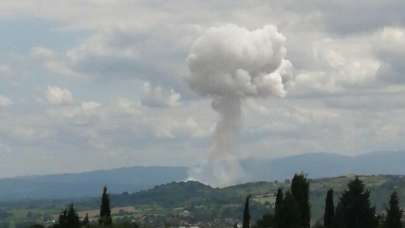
(101, 84)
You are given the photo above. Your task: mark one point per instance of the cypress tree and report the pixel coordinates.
(353, 209)
(329, 210)
(72, 217)
(277, 208)
(246, 213)
(68, 218)
(394, 213)
(290, 212)
(300, 191)
(105, 210)
(63, 219)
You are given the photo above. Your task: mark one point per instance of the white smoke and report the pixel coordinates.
(228, 64)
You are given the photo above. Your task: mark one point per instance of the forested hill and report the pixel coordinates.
(205, 203)
(132, 179)
(200, 199)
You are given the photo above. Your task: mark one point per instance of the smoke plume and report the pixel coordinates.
(229, 64)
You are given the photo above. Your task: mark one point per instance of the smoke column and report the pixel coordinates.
(229, 64)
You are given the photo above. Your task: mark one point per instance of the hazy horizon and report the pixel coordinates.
(247, 159)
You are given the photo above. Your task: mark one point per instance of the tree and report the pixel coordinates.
(265, 222)
(329, 210)
(72, 217)
(246, 213)
(394, 213)
(353, 209)
(300, 191)
(277, 208)
(68, 218)
(63, 219)
(105, 210)
(289, 212)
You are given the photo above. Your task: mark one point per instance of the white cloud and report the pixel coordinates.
(349, 78)
(54, 62)
(389, 48)
(5, 102)
(340, 65)
(5, 71)
(59, 96)
(128, 106)
(156, 96)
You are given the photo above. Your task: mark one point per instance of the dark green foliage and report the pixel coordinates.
(394, 213)
(287, 209)
(329, 210)
(73, 218)
(174, 195)
(246, 213)
(290, 212)
(105, 210)
(37, 226)
(266, 221)
(277, 208)
(117, 225)
(300, 191)
(354, 210)
(68, 218)
(126, 225)
(286, 214)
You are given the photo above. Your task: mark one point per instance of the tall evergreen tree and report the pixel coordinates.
(63, 219)
(394, 213)
(246, 213)
(300, 191)
(73, 217)
(105, 210)
(289, 212)
(353, 209)
(329, 210)
(277, 208)
(68, 218)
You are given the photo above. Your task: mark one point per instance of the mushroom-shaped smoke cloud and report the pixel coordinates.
(228, 64)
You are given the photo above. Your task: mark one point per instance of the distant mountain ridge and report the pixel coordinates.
(318, 165)
(88, 184)
(133, 179)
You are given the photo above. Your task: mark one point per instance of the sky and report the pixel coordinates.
(98, 84)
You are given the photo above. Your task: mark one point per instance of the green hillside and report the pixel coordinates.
(196, 202)
(205, 202)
